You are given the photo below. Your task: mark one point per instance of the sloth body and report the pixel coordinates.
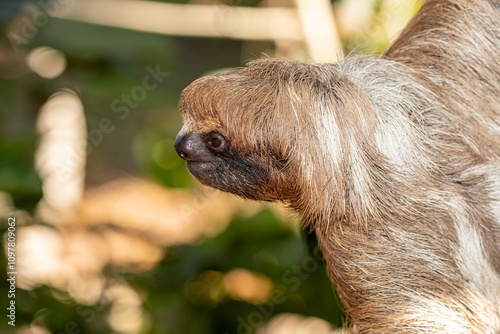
(394, 162)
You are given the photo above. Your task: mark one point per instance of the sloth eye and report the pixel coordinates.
(216, 142)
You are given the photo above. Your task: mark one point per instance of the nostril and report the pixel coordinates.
(180, 146)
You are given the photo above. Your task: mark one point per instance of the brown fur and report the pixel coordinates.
(394, 161)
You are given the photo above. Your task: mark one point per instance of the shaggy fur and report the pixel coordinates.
(394, 161)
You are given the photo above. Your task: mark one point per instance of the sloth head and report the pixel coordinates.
(258, 131)
(234, 137)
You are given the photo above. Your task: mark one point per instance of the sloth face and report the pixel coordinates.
(228, 139)
(216, 162)
(258, 131)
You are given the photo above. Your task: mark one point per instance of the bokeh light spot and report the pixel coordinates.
(47, 62)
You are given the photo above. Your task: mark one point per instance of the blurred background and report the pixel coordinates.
(112, 233)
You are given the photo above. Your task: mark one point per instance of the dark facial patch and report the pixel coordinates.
(243, 176)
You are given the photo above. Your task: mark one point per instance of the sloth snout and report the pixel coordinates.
(190, 147)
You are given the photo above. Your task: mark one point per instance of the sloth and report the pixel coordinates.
(394, 162)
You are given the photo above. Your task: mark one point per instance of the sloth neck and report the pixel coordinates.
(396, 197)
(399, 184)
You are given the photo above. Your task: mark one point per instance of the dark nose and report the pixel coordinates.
(190, 147)
(182, 146)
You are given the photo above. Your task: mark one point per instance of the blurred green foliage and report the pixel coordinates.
(259, 243)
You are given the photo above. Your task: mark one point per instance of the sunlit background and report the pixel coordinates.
(113, 235)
